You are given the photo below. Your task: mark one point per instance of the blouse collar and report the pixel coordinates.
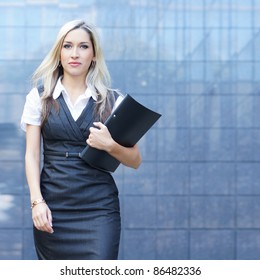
(59, 88)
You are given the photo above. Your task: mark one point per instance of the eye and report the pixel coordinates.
(84, 46)
(66, 46)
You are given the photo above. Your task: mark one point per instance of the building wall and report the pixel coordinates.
(197, 192)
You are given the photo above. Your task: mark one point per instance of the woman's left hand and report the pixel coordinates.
(100, 137)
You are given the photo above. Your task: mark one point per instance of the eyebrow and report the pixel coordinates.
(69, 42)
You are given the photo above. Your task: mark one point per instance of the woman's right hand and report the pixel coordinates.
(42, 218)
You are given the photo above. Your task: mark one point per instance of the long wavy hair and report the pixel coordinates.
(97, 79)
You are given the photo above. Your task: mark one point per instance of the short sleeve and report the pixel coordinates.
(32, 109)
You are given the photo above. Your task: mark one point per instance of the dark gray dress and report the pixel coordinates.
(83, 200)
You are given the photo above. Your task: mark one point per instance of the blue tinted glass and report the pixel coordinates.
(195, 62)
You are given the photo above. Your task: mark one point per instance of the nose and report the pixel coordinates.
(74, 52)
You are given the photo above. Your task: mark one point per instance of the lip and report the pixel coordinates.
(74, 63)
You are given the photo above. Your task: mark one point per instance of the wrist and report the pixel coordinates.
(110, 148)
(36, 202)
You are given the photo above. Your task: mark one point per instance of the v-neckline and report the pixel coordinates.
(68, 110)
(82, 123)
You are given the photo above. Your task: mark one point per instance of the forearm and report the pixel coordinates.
(32, 169)
(128, 156)
(41, 213)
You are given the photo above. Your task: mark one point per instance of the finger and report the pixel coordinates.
(99, 124)
(91, 129)
(49, 217)
(47, 227)
(36, 221)
(46, 221)
(36, 224)
(94, 130)
(41, 222)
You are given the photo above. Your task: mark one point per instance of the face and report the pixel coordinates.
(77, 53)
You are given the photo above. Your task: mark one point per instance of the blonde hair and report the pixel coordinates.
(97, 78)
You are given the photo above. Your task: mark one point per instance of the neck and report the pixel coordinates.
(76, 83)
(75, 86)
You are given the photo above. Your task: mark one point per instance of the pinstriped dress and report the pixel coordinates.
(83, 200)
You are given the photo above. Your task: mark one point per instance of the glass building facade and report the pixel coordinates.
(197, 192)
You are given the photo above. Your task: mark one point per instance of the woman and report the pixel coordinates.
(75, 207)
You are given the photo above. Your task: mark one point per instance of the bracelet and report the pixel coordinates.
(37, 201)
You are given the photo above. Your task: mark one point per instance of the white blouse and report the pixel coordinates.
(33, 108)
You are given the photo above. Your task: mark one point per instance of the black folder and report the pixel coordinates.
(127, 124)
